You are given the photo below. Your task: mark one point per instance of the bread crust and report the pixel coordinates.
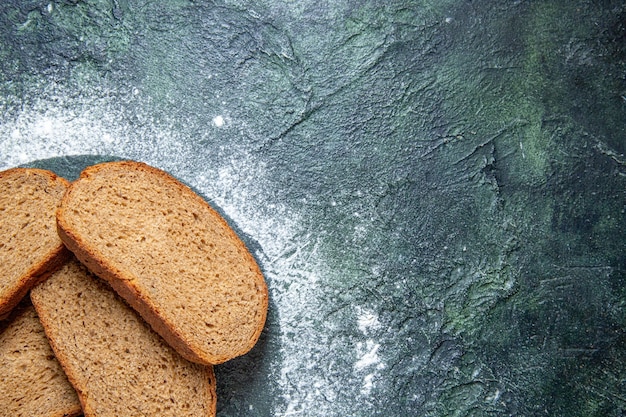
(130, 290)
(46, 265)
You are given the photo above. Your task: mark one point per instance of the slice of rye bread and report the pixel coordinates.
(170, 255)
(32, 382)
(118, 365)
(30, 248)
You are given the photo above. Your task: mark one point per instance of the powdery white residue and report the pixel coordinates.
(295, 274)
(314, 377)
(368, 355)
(368, 361)
(367, 321)
(62, 125)
(368, 384)
(218, 121)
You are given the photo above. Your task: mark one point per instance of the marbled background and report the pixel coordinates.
(435, 189)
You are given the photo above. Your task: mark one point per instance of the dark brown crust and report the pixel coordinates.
(69, 413)
(46, 266)
(212, 390)
(124, 286)
(61, 357)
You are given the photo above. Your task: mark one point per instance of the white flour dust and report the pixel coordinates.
(43, 131)
(368, 363)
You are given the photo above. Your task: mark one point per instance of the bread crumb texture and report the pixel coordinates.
(118, 364)
(32, 383)
(28, 237)
(178, 254)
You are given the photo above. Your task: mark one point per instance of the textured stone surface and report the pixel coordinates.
(435, 190)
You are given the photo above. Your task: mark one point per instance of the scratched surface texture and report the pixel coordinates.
(435, 189)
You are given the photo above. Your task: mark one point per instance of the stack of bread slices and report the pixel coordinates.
(118, 293)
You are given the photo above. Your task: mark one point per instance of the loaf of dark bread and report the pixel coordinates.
(171, 256)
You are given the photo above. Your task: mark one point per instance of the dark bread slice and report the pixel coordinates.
(170, 255)
(30, 248)
(32, 383)
(118, 365)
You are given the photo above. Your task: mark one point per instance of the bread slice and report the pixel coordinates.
(170, 255)
(32, 383)
(29, 245)
(118, 365)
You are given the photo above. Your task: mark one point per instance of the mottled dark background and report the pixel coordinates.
(435, 190)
